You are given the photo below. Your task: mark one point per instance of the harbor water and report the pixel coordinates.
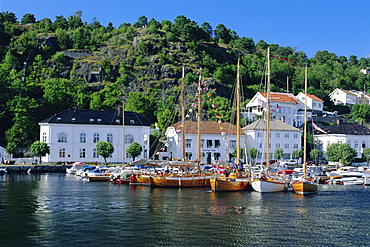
(63, 210)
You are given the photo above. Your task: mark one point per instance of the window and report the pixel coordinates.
(356, 144)
(277, 135)
(82, 152)
(232, 144)
(145, 139)
(145, 153)
(295, 135)
(259, 134)
(82, 138)
(363, 144)
(202, 143)
(217, 156)
(62, 153)
(277, 145)
(44, 137)
(349, 143)
(286, 145)
(129, 139)
(110, 138)
(95, 153)
(188, 143)
(132, 121)
(260, 145)
(96, 138)
(209, 143)
(62, 137)
(217, 143)
(286, 135)
(296, 145)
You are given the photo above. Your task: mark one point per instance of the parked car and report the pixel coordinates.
(290, 162)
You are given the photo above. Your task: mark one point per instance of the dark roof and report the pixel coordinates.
(72, 116)
(349, 129)
(275, 124)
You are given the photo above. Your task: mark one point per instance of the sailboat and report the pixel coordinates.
(195, 178)
(304, 185)
(235, 181)
(267, 183)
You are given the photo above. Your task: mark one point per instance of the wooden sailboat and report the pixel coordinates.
(197, 178)
(267, 183)
(236, 181)
(305, 186)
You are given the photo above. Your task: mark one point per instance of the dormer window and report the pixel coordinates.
(132, 121)
(118, 121)
(91, 120)
(73, 119)
(99, 120)
(59, 119)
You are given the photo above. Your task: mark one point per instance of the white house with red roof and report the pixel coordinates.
(284, 106)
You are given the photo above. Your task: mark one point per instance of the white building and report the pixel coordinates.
(354, 134)
(282, 135)
(72, 135)
(285, 106)
(343, 97)
(314, 103)
(217, 141)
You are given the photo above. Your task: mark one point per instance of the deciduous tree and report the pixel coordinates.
(104, 149)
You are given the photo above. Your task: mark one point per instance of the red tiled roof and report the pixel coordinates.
(209, 127)
(314, 97)
(280, 98)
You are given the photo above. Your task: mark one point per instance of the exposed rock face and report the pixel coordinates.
(50, 41)
(159, 68)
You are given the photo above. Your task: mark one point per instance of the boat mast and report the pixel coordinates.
(199, 116)
(123, 132)
(183, 114)
(268, 111)
(238, 115)
(305, 125)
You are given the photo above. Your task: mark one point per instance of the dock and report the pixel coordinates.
(35, 168)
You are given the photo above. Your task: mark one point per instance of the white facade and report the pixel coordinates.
(282, 135)
(314, 103)
(217, 141)
(73, 136)
(355, 135)
(285, 107)
(343, 97)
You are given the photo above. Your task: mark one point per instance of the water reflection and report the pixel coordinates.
(62, 210)
(19, 205)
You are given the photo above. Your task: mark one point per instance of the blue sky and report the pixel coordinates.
(338, 26)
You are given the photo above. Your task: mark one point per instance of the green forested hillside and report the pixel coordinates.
(47, 66)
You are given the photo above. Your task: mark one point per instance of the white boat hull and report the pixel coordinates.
(267, 186)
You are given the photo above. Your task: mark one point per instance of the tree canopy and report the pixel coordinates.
(340, 152)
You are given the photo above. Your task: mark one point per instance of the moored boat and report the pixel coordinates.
(196, 180)
(229, 184)
(304, 187)
(268, 185)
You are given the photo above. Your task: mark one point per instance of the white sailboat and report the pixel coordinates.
(266, 183)
(304, 185)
